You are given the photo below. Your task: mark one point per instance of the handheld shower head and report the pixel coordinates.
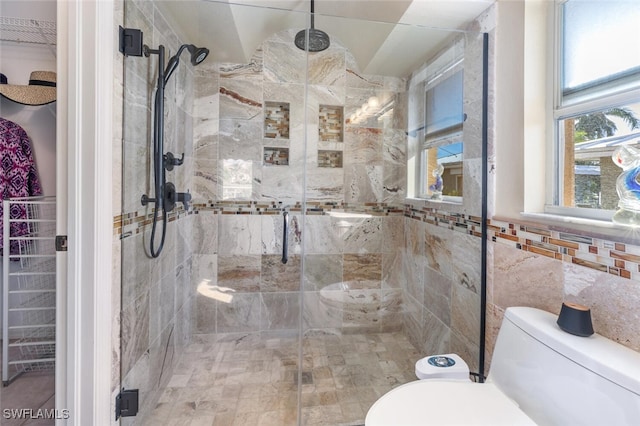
(198, 54)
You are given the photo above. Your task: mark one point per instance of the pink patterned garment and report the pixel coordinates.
(18, 176)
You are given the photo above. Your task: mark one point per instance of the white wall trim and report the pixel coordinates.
(86, 28)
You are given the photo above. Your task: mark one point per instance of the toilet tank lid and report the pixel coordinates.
(602, 356)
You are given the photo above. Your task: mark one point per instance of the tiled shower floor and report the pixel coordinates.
(241, 379)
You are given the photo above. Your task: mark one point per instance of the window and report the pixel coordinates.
(597, 102)
(441, 151)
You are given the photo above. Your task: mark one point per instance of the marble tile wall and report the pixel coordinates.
(527, 265)
(243, 286)
(542, 267)
(441, 286)
(442, 282)
(152, 297)
(230, 168)
(229, 119)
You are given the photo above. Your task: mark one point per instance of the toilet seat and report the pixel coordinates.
(441, 402)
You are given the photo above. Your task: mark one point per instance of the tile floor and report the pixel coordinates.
(246, 379)
(32, 390)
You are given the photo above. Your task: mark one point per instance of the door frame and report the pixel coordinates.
(85, 68)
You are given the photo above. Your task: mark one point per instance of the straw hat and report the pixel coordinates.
(40, 91)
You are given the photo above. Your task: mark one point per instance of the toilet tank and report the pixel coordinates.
(561, 379)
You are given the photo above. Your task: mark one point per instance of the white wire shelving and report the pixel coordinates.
(29, 288)
(30, 31)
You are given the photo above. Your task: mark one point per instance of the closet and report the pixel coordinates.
(28, 144)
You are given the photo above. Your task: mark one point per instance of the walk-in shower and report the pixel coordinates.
(307, 278)
(166, 195)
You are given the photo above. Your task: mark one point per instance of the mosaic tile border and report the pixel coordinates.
(134, 223)
(129, 224)
(467, 224)
(615, 258)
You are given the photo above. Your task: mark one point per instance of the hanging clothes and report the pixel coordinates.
(18, 176)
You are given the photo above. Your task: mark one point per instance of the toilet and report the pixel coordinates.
(539, 375)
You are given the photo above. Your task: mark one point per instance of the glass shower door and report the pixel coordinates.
(388, 278)
(332, 145)
(210, 328)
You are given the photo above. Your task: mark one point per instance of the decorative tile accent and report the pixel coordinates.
(331, 127)
(276, 120)
(330, 159)
(276, 156)
(602, 255)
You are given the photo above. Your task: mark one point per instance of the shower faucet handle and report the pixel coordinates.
(170, 160)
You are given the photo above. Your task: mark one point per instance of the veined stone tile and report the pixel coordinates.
(284, 62)
(393, 275)
(363, 146)
(242, 313)
(437, 295)
(237, 140)
(362, 234)
(363, 183)
(466, 258)
(277, 276)
(280, 311)
(363, 270)
(523, 278)
(325, 184)
(322, 236)
(321, 270)
(239, 234)
(135, 331)
(272, 228)
(438, 246)
(205, 180)
(465, 314)
(240, 99)
(240, 273)
(436, 336)
(613, 302)
(205, 240)
(360, 309)
(327, 68)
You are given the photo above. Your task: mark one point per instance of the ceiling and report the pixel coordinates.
(386, 37)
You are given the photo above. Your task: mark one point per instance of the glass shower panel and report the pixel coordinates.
(218, 328)
(210, 328)
(387, 280)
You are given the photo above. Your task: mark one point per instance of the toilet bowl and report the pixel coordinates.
(538, 375)
(445, 402)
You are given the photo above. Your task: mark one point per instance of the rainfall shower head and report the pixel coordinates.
(198, 54)
(318, 39)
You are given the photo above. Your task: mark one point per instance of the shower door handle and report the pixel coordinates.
(285, 240)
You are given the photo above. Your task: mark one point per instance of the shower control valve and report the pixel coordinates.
(170, 160)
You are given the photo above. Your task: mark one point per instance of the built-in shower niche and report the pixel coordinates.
(276, 156)
(330, 159)
(276, 120)
(331, 123)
